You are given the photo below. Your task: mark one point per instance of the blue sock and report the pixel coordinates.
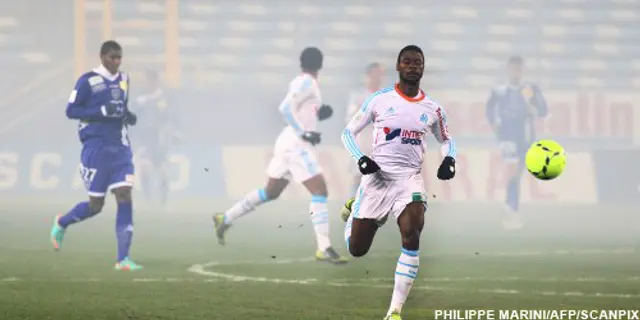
(513, 194)
(79, 213)
(124, 229)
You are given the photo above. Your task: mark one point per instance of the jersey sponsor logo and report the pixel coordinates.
(95, 80)
(406, 136)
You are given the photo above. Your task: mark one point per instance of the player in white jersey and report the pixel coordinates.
(294, 157)
(374, 74)
(392, 183)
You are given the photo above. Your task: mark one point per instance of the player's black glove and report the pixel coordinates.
(367, 165)
(311, 137)
(447, 169)
(325, 112)
(130, 118)
(114, 109)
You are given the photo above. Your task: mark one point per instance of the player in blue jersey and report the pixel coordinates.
(512, 110)
(157, 130)
(99, 103)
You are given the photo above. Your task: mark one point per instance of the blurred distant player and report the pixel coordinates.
(511, 111)
(294, 157)
(99, 101)
(158, 129)
(374, 76)
(402, 116)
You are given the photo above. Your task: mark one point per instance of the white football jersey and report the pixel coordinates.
(400, 127)
(300, 108)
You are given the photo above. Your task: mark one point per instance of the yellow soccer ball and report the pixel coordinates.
(546, 159)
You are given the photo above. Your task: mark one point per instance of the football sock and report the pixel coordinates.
(246, 205)
(124, 229)
(320, 220)
(406, 272)
(347, 231)
(79, 213)
(513, 194)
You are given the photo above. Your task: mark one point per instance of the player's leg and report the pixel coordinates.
(253, 199)
(364, 214)
(410, 222)
(96, 182)
(511, 156)
(319, 214)
(121, 186)
(124, 226)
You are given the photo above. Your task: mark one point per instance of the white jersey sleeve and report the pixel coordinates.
(440, 131)
(299, 107)
(360, 120)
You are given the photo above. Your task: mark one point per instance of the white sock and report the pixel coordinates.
(347, 230)
(320, 220)
(250, 201)
(406, 272)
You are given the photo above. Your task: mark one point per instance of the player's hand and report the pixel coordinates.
(367, 165)
(325, 112)
(114, 109)
(130, 118)
(311, 137)
(447, 169)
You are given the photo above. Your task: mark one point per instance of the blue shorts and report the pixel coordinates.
(513, 151)
(106, 166)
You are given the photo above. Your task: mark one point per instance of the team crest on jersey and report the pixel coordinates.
(424, 118)
(116, 93)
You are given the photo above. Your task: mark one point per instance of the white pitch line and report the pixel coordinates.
(205, 270)
(504, 279)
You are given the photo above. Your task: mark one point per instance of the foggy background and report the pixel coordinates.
(226, 66)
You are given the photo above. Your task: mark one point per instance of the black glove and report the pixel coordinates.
(367, 166)
(113, 109)
(447, 169)
(311, 137)
(130, 118)
(325, 112)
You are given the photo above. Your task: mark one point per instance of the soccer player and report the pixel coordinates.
(402, 116)
(99, 102)
(511, 111)
(373, 80)
(294, 157)
(158, 130)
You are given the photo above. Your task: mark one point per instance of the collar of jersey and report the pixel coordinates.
(101, 70)
(417, 98)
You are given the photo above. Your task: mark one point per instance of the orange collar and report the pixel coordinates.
(420, 96)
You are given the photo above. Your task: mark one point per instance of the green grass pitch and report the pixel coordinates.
(567, 258)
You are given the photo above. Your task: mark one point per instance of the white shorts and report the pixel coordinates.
(377, 198)
(299, 164)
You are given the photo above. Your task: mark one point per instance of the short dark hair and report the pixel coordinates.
(411, 47)
(371, 66)
(515, 60)
(311, 59)
(108, 46)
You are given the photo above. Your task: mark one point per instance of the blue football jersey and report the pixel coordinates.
(511, 111)
(92, 92)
